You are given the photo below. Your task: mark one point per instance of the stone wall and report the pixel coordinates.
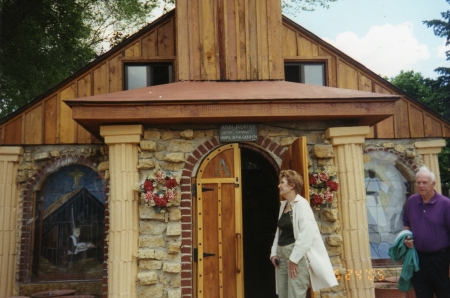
(405, 150)
(160, 241)
(165, 241)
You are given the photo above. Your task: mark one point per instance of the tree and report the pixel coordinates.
(426, 90)
(440, 97)
(44, 41)
(414, 84)
(292, 7)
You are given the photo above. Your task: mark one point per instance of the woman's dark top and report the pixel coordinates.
(286, 230)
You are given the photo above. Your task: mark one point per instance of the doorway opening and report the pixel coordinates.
(260, 204)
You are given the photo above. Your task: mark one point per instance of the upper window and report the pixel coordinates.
(143, 75)
(308, 73)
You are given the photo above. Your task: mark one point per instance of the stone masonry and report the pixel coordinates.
(165, 241)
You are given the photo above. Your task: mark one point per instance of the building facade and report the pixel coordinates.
(218, 96)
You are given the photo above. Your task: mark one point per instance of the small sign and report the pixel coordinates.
(238, 133)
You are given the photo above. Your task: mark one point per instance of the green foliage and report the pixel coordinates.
(440, 97)
(114, 21)
(37, 49)
(292, 7)
(414, 84)
(44, 41)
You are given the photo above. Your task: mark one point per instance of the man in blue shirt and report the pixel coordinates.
(427, 215)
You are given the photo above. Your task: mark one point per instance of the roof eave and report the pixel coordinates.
(93, 115)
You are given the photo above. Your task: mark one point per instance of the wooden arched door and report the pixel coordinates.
(218, 228)
(218, 252)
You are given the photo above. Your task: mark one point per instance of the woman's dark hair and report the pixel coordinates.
(294, 179)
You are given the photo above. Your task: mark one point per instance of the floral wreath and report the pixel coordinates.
(158, 190)
(322, 188)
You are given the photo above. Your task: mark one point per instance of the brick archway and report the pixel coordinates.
(33, 184)
(194, 159)
(407, 162)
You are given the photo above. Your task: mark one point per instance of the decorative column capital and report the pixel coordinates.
(347, 135)
(11, 153)
(430, 147)
(122, 134)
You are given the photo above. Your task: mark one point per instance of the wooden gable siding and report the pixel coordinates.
(49, 120)
(412, 119)
(229, 40)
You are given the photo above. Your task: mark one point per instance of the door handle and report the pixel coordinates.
(238, 252)
(205, 254)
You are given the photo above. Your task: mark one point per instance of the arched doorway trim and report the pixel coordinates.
(262, 145)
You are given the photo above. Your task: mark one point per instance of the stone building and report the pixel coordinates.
(217, 96)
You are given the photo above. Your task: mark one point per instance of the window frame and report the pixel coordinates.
(325, 60)
(140, 61)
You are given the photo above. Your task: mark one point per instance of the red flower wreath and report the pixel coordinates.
(322, 187)
(159, 189)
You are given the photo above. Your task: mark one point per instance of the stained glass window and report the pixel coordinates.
(386, 193)
(69, 225)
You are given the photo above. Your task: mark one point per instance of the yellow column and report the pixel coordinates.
(347, 145)
(123, 233)
(429, 151)
(9, 163)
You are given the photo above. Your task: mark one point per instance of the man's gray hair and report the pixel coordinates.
(425, 170)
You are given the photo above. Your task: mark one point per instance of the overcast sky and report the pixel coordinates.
(384, 35)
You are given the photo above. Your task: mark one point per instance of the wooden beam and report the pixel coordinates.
(369, 113)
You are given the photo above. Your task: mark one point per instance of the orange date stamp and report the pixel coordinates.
(375, 275)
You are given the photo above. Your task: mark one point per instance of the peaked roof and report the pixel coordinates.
(310, 102)
(244, 101)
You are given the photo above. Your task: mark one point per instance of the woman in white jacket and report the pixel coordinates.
(298, 251)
